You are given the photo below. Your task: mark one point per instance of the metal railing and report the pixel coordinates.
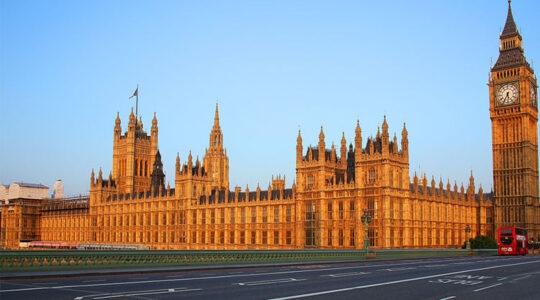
(25, 260)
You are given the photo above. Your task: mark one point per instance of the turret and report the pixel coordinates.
(322, 146)
(177, 166)
(117, 126)
(299, 148)
(132, 122)
(395, 145)
(405, 141)
(385, 137)
(358, 141)
(343, 151)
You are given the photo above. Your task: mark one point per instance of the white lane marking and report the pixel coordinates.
(214, 277)
(306, 270)
(522, 277)
(397, 281)
(487, 287)
(26, 289)
(270, 281)
(141, 293)
(451, 297)
(397, 269)
(136, 293)
(337, 275)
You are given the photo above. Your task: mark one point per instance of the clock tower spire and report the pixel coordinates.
(514, 124)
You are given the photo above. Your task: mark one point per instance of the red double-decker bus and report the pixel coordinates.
(512, 240)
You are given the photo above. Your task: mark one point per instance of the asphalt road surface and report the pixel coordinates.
(490, 277)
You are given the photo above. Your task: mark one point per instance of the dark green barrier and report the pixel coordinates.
(75, 259)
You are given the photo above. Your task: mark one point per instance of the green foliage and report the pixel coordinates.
(481, 242)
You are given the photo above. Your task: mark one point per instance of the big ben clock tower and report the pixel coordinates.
(513, 107)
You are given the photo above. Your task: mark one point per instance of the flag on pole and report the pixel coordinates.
(135, 94)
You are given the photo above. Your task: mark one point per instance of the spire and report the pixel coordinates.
(358, 139)
(154, 120)
(343, 152)
(157, 182)
(404, 132)
(216, 119)
(177, 166)
(117, 124)
(322, 146)
(385, 136)
(385, 126)
(132, 118)
(299, 147)
(117, 121)
(510, 27)
(405, 141)
(216, 137)
(154, 129)
(511, 52)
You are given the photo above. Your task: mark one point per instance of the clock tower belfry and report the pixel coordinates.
(513, 107)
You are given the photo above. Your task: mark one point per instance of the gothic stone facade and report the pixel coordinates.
(321, 210)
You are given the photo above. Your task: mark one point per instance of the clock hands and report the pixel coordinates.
(507, 97)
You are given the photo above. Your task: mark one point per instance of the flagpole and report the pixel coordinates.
(137, 102)
(136, 94)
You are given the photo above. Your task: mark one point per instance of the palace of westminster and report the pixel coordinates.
(322, 209)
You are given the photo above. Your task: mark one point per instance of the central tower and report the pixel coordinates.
(513, 108)
(216, 161)
(133, 154)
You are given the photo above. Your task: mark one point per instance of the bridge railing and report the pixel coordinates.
(75, 259)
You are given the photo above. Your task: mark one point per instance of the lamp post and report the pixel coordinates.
(366, 219)
(468, 231)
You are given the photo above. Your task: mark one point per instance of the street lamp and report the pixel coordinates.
(366, 219)
(468, 231)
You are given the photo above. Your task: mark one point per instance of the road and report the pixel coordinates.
(490, 277)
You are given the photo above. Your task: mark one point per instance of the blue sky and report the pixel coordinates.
(274, 67)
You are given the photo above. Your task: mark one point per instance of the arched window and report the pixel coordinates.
(372, 176)
(310, 181)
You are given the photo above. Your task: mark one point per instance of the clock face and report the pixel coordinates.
(507, 94)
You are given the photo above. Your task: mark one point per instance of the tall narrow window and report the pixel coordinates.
(329, 237)
(265, 215)
(329, 211)
(310, 182)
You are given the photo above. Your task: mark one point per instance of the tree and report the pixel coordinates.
(481, 242)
